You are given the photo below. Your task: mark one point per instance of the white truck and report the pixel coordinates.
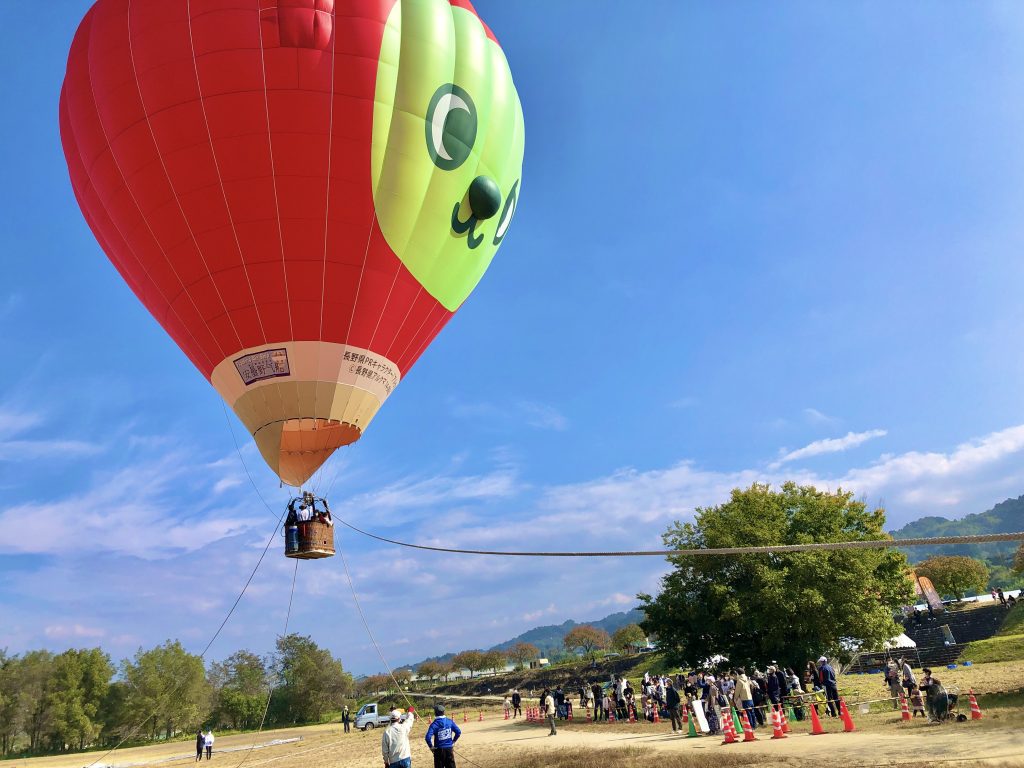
(369, 717)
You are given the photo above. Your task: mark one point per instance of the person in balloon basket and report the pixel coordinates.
(394, 742)
(441, 737)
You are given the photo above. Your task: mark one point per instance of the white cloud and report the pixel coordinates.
(684, 402)
(814, 416)
(541, 416)
(66, 631)
(31, 450)
(14, 421)
(829, 445)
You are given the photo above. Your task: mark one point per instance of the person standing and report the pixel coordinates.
(743, 695)
(441, 737)
(507, 705)
(346, 718)
(909, 681)
(828, 681)
(517, 701)
(892, 680)
(200, 744)
(672, 701)
(208, 743)
(549, 711)
(598, 697)
(394, 742)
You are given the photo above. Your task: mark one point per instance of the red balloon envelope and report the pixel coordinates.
(301, 192)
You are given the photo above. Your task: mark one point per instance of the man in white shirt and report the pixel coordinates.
(394, 742)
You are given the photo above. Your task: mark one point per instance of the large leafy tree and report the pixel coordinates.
(310, 681)
(168, 684)
(1018, 560)
(241, 684)
(522, 654)
(472, 660)
(79, 685)
(9, 724)
(587, 639)
(629, 636)
(954, 574)
(789, 607)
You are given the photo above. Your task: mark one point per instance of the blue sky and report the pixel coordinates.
(754, 242)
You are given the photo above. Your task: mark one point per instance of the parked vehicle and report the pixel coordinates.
(369, 717)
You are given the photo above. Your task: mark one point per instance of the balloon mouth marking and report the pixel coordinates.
(467, 228)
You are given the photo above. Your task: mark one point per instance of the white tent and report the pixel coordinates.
(900, 641)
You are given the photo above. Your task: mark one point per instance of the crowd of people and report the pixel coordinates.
(668, 697)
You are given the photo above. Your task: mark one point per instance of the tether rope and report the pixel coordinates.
(132, 732)
(270, 691)
(780, 548)
(376, 645)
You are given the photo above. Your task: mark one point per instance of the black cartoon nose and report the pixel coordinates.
(484, 197)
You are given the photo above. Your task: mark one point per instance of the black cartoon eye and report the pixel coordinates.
(506, 213)
(451, 126)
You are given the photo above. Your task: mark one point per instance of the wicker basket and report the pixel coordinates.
(316, 540)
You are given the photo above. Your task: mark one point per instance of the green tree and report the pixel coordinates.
(34, 681)
(494, 661)
(240, 682)
(1018, 560)
(522, 654)
(471, 660)
(79, 685)
(311, 681)
(954, 574)
(429, 670)
(9, 710)
(790, 606)
(587, 639)
(629, 636)
(169, 685)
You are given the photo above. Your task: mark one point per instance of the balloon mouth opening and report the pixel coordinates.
(305, 444)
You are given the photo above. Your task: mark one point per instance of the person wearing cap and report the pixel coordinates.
(394, 742)
(441, 737)
(550, 711)
(828, 681)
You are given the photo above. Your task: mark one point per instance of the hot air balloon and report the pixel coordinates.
(301, 192)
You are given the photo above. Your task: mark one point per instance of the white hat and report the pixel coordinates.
(822, 658)
(395, 715)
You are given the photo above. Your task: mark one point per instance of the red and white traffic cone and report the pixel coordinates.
(729, 730)
(481, 718)
(777, 732)
(655, 712)
(975, 709)
(904, 709)
(611, 715)
(785, 720)
(748, 732)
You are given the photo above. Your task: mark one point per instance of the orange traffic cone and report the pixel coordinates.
(506, 714)
(845, 714)
(816, 729)
(655, 711)
(904, 709)
(777, 732)
(728, 729)
(632, 713)
(588, 714)
(611, 715)
(785, 721)
(465, 717)
(748, 732)
(975, 709)
(481, 718)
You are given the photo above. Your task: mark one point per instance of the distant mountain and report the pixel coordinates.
(1005, 517)
(549, 638)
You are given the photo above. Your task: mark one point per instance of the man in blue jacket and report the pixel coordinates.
(441, 737)
(828, 679)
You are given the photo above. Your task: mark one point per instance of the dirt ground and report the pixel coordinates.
(496, 742)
